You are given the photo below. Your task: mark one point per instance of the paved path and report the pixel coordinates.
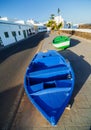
(79, 117)
(13, 62)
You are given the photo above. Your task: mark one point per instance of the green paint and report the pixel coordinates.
(60, 39)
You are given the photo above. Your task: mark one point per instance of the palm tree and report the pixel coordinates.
(52, 23)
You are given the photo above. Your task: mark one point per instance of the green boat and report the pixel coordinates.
(61, 42)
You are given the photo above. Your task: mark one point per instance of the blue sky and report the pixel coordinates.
(76, 11)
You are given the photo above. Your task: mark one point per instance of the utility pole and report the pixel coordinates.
(58, 15)
(58, 11)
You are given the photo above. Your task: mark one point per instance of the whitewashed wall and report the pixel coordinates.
(9, 27)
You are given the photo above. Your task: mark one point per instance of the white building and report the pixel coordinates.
(12, 30)
(58, 19)
(39, 27)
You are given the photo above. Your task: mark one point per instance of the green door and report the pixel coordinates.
(24, 33)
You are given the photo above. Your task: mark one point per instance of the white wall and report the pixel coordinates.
(9, 27)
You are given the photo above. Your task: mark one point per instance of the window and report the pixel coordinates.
(6, 34)
(19, 32)
(1, 41)
(14, 33)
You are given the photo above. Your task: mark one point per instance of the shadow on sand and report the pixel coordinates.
(9, 98)
(74, 42)
(81, 68)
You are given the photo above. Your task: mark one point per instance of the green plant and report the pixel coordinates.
(53, 25)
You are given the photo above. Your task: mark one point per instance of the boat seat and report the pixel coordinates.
(51, 90)
(46, 73)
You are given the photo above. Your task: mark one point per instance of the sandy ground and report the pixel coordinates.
(79, 117)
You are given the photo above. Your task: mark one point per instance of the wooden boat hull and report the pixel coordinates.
(49, 83)
(61, 42)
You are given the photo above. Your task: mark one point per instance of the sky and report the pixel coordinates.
(75, 11)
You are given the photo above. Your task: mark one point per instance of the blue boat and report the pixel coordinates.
(49, 83)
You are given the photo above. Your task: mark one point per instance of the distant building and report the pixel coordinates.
(39, 27)
(58, 19)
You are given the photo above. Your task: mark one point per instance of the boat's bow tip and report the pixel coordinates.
(53, 121)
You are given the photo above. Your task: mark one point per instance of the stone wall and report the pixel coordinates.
(78, 33)
(84, 26)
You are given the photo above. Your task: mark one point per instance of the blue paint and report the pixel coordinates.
(49, 83)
